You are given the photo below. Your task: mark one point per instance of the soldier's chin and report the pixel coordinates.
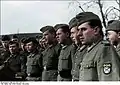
(59, 42)
(84, 43)
(29, 51)
(12, 52)
(73, 40)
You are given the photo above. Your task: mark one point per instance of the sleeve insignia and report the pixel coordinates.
(107, 68)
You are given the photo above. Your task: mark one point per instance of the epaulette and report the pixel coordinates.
(106, 42)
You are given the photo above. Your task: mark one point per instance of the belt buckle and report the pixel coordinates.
(45, 68)
(28, 74)
(58, 72)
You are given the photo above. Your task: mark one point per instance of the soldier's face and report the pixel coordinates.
(61, 36)
(48, 37)
(86, 33)
(74, 36)
(13, 48)
(23, 46)
(112, 36)
(14, 39)
(30, 47)
(5, 44)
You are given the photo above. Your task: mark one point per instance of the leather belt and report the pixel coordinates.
(65, 74)
(33, 75)
(46, 69)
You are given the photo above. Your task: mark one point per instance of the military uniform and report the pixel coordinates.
(65, 63)
(118, 49)
(114, 25)
(100, 63)
(4, 51)
(14, 65)
(4, 54)
(76, 60)
(50, 62)
(50, 54)
(34, 66)
(24, 54)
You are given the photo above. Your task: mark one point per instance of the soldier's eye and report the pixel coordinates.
(83, 29)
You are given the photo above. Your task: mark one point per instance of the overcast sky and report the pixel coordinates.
(30, 16)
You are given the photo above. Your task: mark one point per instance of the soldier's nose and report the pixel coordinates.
(79, 33)
(56, 36)
(71, 36)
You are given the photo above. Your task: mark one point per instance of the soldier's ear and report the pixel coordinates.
(118, 34)
(97, 30)
(54, 35)
(67, 34)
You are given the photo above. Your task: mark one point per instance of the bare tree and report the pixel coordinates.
(105, 13)
(101, 11)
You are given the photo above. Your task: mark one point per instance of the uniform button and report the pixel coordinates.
(87, 66)
(45, 68)
(81, 69)
(28, 74)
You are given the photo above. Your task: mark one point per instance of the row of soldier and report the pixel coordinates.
(74, 52)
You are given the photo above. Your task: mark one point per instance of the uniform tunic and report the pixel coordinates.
(50, 62)
(100, 63)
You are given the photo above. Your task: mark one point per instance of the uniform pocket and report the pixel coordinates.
(66, 62)
(88, 71)
(88, 65)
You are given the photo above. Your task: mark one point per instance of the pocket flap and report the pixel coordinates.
(89, 64)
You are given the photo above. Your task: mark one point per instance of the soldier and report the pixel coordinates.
(34, 61)
(14, 38)
(113, 34)
(0, 45)
(65, 61)
(42, 44)
(4, 52)
(74, 31)
(50, 54)
(24, 47)
(14, 66)
(100, 62)
(79, 49)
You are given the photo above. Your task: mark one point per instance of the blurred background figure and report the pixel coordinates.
(14, 38)
(4, 52)
(113, 34)
(34, 60)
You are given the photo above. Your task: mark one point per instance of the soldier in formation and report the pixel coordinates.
(113, 34)
(66, 52)
(50, 54)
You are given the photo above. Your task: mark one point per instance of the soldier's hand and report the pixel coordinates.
(18, 75)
